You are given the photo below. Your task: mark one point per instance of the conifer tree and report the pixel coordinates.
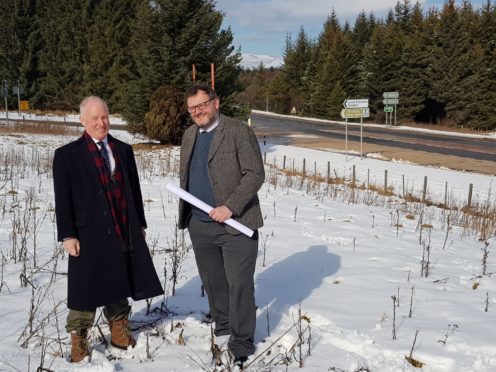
(166, 118)
(414, 78)
(293, 72)
(170, 36)
(16, 24)
(62, 26)
(108, 59)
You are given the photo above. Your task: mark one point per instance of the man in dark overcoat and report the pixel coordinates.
(221, 164)
(101, 222)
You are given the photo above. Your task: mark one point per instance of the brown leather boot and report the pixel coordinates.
(121, 334)
(79, 346)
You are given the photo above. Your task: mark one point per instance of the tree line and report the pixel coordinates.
(441, 61)
(136, 54)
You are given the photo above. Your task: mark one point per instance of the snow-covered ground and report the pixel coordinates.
(69, 118)
(338, 262)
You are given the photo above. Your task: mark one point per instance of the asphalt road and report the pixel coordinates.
(281, 130)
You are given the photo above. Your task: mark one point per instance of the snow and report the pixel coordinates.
(252, 61)
(335, 254)
(69, 118)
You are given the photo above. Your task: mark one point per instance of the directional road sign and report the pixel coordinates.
(17, 90)
(390, 101)
(354, 113)
(356, 103)
(388, 109)
(390, 95)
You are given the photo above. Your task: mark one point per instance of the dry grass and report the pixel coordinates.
(41, 127)
(145, 146)
(444, 126)
(480, 218)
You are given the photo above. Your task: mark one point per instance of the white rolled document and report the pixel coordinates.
(186, 196)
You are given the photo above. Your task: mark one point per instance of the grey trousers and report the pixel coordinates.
(226, 264)
(78, 320)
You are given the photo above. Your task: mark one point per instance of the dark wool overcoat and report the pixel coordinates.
(235, 169)
(98, 276)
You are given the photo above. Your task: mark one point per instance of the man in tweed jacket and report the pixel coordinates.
(221, 164)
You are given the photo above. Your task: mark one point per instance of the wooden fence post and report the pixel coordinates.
(424, 192)
(469, 201)
(385, 181)
(446, 194)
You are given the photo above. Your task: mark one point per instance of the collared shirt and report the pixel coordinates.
(109, 150)
(211, 128)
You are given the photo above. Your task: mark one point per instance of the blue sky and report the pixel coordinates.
(260, 26)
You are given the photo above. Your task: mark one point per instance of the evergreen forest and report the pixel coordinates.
(441, 61)
(138, 56)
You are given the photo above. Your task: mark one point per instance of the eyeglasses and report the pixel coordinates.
(199, 106)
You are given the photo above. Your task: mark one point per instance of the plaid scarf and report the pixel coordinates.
(114, 188)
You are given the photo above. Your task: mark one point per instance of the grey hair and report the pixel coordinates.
(85, 101)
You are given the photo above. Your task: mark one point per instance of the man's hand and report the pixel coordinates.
(71, 246)
(220, 214)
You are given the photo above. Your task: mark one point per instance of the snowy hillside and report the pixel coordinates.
(252, 61)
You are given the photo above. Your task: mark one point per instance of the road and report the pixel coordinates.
(452, 151)
(434, 149)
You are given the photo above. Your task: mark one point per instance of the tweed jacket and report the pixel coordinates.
(235, 169)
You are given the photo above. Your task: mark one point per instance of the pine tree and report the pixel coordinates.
(331, 70)
(16, 24)
(168, 38)
(414, 77)
(166, 119)
(293, 71)
(62, 26)
(108, 59)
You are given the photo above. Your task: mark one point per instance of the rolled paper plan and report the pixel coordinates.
(186, 196)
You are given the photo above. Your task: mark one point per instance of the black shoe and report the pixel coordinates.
(240, 361)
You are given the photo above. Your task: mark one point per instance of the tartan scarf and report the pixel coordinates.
(114, 188)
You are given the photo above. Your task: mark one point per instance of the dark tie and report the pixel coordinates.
(105, 155)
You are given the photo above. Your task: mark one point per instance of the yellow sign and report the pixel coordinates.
(24, 105)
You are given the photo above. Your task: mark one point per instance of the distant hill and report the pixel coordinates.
(252, 61)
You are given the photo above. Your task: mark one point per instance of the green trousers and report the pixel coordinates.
(80, 320)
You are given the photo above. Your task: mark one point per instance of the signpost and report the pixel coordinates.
(356, 103)
(391, 95)
(5, 93)
(18, 90)
(390, 98)
(390, 101)
(354, 109)
(355, 113)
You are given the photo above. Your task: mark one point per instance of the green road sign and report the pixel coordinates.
(390, 101)
(388, 109)
(354, 113)
(390, 95)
